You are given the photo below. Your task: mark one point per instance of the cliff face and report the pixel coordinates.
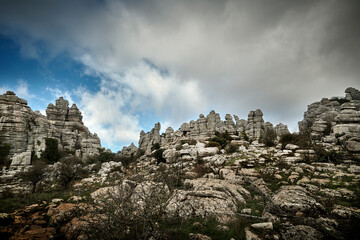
(26, 130)
(335, 121)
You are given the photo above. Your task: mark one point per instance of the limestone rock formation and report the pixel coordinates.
(207, 127)
(26, 130)
(335, 120)
(255, 125)
(147, 140)
(207, 198)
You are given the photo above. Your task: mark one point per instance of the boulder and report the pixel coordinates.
(206, 198)
(23, 158)
(301, 232)
(209, 151)
(292, 199)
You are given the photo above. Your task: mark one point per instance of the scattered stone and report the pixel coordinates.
(263, 225)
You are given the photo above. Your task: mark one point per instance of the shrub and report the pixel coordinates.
(4, 152)
(245, 136)
(213, 144)
(118, 216)
(220, 140)
(34, 174)
(224, 135)
(51, 153)
(231, 148)
(106, 157)
(302, 139)
(158, 156)
(270, 136)
(327, 130)
(70, 168)
(322, 155)
(155, 146)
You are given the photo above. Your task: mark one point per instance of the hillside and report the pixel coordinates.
(210, 179)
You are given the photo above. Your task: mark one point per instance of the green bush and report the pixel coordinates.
(188, 141)
(213, 144)
(245, 136)
(322, 155)
(158, 156)
(327, 130)
(302, 140)
(51, 153)
(4, 152)
(70, 168)
(231, 148)
(222, 141)
(155, 146)
(106, 157)
(270, 136)
(35, 174)
(224, 135)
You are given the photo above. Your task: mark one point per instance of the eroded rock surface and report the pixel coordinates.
(26, 130)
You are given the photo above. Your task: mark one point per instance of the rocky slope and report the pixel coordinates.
(212, 179)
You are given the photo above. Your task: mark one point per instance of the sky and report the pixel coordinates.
(130, 64)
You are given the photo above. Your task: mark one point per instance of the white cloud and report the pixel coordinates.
(21, 89)
(114, 112)
(56, 93)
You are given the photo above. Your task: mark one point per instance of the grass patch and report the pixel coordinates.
(8, 205)
(231, 162)
(177, 229)
(257, 207)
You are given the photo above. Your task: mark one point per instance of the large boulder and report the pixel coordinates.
(23, 158)
(293, 199)
(207, 198)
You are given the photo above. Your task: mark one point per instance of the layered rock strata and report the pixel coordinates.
(206, 127)
(335, 121)
(26, 130)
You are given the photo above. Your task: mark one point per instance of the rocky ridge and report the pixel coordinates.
(335, 121)
(26, 130)
(249, 191)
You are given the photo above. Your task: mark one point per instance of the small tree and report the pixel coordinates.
(34, 174)
(270, 136)
(51, 153)
(69, 169)
(4, 152)
(158, 156)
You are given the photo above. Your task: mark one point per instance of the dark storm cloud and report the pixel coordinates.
(275, 55)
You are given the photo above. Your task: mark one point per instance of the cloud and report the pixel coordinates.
(21, 89)
(178, 57)
(56, 93)
(114, 112)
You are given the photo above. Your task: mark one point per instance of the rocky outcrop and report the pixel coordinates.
(335, 121)
(26, 130)
(293, 199)
(281, 129)
(255, 125)
(207, 127)
(207, 198)
(147, 140)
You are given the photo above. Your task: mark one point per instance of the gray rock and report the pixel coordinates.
(301, 232)
(26, 130)
(23, 158)
(263, 225)
(292, 199)
(207, 198)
